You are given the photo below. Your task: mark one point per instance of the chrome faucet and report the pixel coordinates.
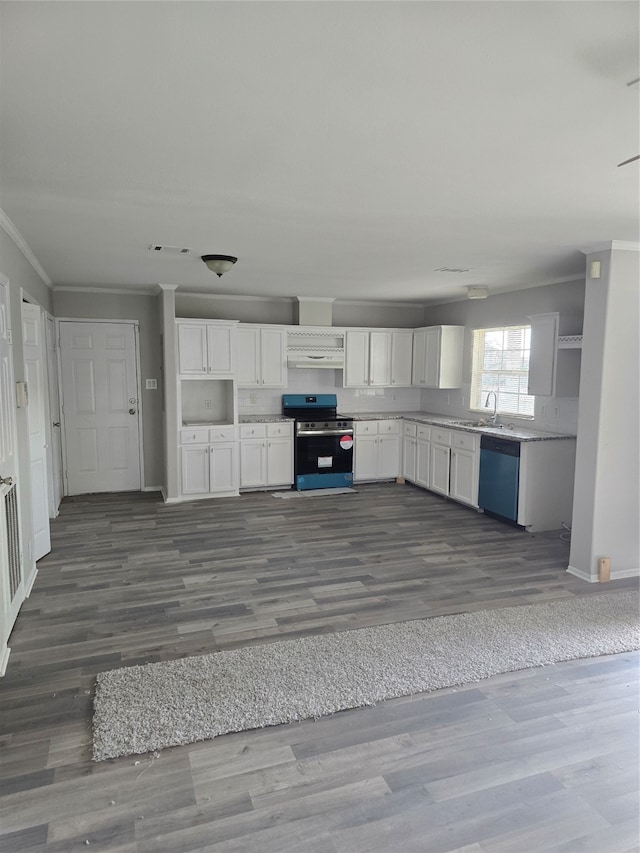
(494, 416)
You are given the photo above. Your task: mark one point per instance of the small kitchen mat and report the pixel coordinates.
(310, 493)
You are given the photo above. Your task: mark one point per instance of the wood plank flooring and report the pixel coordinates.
(540, 760)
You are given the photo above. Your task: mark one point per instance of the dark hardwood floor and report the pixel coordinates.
(539, 760)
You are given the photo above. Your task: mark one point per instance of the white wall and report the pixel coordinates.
(21, 274)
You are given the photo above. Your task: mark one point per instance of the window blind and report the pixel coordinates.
(501, 364)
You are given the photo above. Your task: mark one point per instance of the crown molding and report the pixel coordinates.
(121, 291)
(22, 244)
(612, 246)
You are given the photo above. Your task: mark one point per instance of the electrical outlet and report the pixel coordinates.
(447, 399)
(556, 411)
(207, 404)
(253, 399)
(543, 410)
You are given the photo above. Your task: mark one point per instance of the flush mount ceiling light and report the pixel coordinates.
(477, 292)
(219, 264)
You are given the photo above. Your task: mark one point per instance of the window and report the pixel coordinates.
(501, 364)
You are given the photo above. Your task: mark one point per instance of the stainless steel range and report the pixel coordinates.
(323, 448)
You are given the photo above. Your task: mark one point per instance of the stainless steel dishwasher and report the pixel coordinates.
(499, 477)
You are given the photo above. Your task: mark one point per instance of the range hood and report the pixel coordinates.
(315, 346)
(299, 357)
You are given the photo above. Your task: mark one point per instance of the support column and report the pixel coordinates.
(170, 381)
(606, 509)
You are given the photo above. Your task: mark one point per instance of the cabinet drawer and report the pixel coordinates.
(389, 427)
(284, 430)
(424, 432)
(194, 436)
(409, 429)
(441, 436)
(253, 430)
(222, 434)
(465, 440)
(366, 427)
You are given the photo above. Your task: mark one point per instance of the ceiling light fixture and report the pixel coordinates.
(219, 264)
(477, 292)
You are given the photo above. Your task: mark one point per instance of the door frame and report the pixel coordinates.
(63, 431)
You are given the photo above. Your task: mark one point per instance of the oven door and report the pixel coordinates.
(324, 461)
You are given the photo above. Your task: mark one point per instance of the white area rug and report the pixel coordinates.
(145, 708)
(309, 493)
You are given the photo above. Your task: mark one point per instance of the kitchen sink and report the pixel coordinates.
(477, 424)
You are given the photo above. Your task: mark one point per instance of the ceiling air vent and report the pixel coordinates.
(169, 250)
(453, 269)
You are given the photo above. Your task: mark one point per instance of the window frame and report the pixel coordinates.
(478, 391)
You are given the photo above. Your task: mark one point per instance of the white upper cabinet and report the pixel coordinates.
(262, 357)
(377, 358)
(437, 356)
(542, 359)
(206, 347)
(401, 357)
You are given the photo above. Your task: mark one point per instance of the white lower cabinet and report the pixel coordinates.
(377, 450)
(209, 461)
(440, 459)
(465, 467)
(266, 455)
(446, 461)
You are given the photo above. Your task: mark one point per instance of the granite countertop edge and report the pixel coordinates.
(512, 434)
(263, 419)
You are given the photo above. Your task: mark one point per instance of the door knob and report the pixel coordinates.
(132, 411)
(6, 481)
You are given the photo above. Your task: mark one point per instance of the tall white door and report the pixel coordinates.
(12, 588)
(37, 409)
(53, 427)
(101, 432)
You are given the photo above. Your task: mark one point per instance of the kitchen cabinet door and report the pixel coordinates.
(223, 467)
(464, 476)
(194, 473)
(279, 462)
(439, 469)
(366, 457)
(388, 457)
(543, 355)
(419, 358)
(248, 361)
(380, 359)
(437, 356)
(192, 349)
(220, 349)
(273, 358)
(423, 463)
(401, 358)
(356, 359)
(253, 463)
(409, 455)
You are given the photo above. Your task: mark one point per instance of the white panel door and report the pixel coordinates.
(37, 413)
(253, 463)
(248, 361)
(223, 468)
(280, 461)
(100, 407)
(401, 357)
(12, 587)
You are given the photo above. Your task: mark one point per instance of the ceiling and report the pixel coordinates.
(338, 149)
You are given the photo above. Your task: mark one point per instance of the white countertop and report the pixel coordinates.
(511, 430)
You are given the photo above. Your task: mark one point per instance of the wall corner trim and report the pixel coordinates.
(22, 244)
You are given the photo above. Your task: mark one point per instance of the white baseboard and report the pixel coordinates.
(32, 580)
(4, 659)
(615, 576)
(153, 489)
(582, 575)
